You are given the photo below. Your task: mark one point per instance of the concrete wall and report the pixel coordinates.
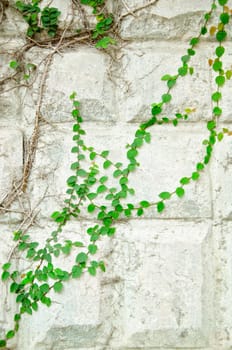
(168, 283)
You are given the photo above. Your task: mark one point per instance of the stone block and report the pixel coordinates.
(7, 304)
(9, 101)
(172, 154)
(77, 316)
(221, 178)
(223, 286)
(11, 159)
(142, 67)
(164, 20)
(86, 72)
(168, 8)
(167, 295)
(12, 24)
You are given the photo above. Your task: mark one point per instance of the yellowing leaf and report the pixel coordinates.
(210, 61)
(220, 26)
(212, 30)
(229, 74)
(190, 110)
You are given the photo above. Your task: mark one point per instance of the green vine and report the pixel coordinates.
(87, 185)
(48, 17)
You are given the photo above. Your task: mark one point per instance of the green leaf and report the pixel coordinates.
(103, 179)
(72, 96)
(203, 30)
(58, 286)
(191, 70)
(222, 2)
(105, 154)
(195, 175)
(30, 253)
(47, 301)
(92, 155)
(166, 98)
(132, 153)
(156, 110)
(185, 58)
(183, 70)
(140, 212)
(211, 125)
(2, 343)
(102, 266)
(180, 192)
(14, 287)
(34, 306)
(217, 65)
(44, 288)
(221, 35)
(123, 181)
(165, 195)
(117, 173)
(138, 142)
(91, 208)
(92, 248)
(184, 181)
(216, 96)
(101, 189)
(175, 122)
(81, 257)
(76, 271)
(75, 113)
(105, 42)
(217, 111)
(14, 64)
(191, 52)
(92, 270)
(147, 137)
(107, 164)
(220, 51)
(75, 165)
(166, 77)
(6, 266)
(75, 150)
(81, 173)
(10, 334)
(160, 207)
(220, 136)
(127, 212)
(144, 204)
(17, 317)
(5, 275)
(200, 166)
(225, 18)
(220, 80)
(194, 41)
(91, 196)
(118, 165)
(171, 83)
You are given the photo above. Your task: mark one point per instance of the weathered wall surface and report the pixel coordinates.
(168, 283)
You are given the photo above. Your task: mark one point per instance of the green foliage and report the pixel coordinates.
(49, 19)
(32, 14)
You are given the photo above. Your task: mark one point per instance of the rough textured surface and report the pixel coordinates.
(168, 283)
